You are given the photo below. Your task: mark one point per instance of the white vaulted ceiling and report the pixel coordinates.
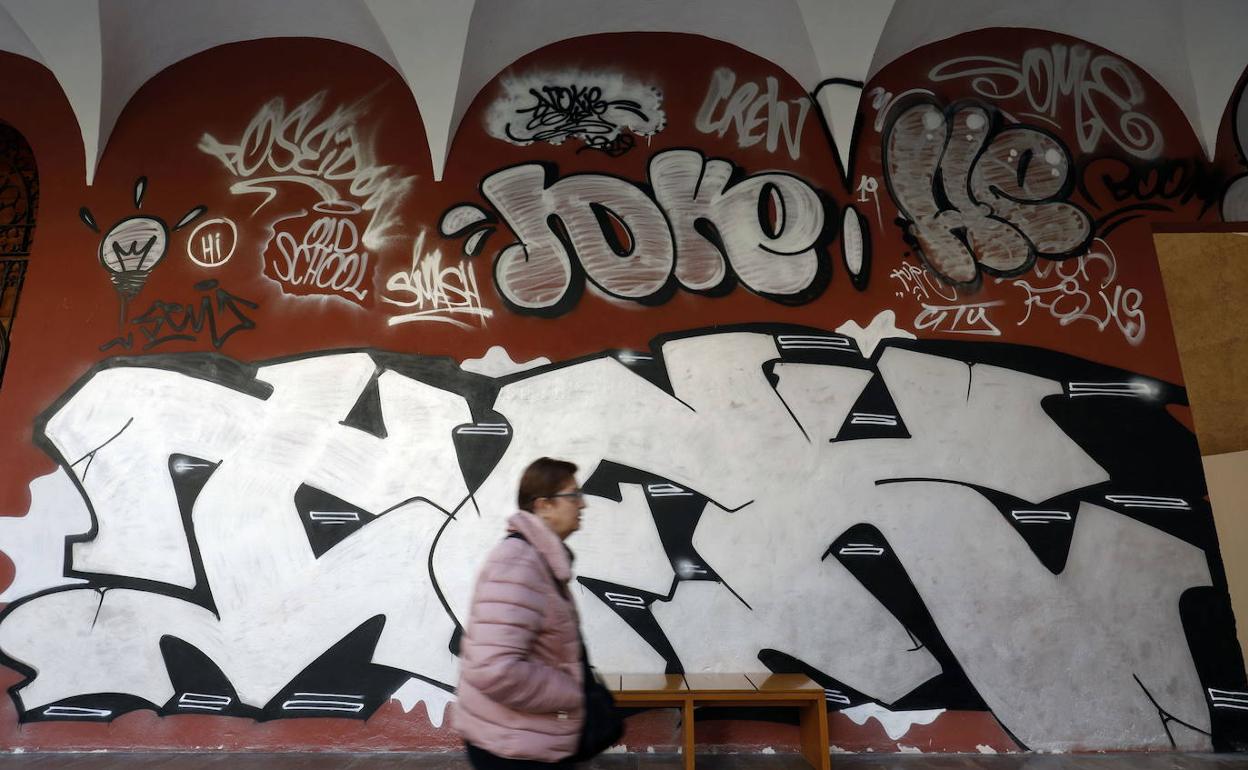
(103, 51)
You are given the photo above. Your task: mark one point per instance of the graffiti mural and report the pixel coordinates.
(1004, 190)
(905, 415)
(195, 457)
(704, 226)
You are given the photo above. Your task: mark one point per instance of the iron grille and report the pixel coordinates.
(19, 203)
(12, 273)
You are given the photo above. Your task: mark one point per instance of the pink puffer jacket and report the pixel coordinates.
(520, 678)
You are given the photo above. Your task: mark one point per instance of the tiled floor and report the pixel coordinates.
(226, 761)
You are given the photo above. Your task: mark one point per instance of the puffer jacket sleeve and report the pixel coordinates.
(507, 613)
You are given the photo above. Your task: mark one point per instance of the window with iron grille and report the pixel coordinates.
(19, 201)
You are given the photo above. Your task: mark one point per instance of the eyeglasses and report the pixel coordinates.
(576, 495)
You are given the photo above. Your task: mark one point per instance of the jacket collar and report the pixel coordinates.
(547, 543)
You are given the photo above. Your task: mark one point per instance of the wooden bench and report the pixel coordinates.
(692, 690)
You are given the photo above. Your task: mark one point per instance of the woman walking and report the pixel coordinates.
(522, 680)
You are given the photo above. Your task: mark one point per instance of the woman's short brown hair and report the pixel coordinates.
(543, 478)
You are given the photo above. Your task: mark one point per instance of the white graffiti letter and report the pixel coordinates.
(616, 232)
(767, 225)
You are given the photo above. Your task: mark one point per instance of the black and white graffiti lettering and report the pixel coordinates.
(1104, 89)
(607, 227)
(753, 113)
(978, 196)
(325, 151)
(766, 230)
(768, 226)
(220, 492)
(604, 110)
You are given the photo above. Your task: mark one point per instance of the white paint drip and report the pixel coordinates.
(984, 749)
(903, 749)
(895, 723)
(36, 542)
(435, 699)
(883, 326)
(497, 363)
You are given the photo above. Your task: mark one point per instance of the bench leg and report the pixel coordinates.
(814, 731)
(686, 732)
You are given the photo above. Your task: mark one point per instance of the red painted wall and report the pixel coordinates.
(70, 310)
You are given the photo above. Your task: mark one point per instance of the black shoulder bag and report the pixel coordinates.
(604, 725)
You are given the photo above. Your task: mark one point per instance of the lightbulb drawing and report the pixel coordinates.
(132, 247)
(130, 250)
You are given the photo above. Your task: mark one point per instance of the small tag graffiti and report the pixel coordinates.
(971, 318)
(433, 293)
(1085, 289)
(920, 283)
(603, 110)
(753, 113)
(217, 310)
(326, 259)
(212, 242)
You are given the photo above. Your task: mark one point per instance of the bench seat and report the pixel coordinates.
(689, 691)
